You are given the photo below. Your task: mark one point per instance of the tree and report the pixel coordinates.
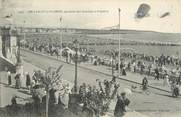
(49, 79)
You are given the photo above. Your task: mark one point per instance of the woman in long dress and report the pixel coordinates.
(166, 81)
(28, 81)
(66, 95)
(124, 71)
(9, 77)
(18, 82)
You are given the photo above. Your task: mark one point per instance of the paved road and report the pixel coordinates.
(157, 104)
(132, 77)
(7, 92)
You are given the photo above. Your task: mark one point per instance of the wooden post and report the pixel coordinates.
(119, 44)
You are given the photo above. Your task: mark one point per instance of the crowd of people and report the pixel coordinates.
(136, 63)
(160, 60)
(94, 100)
(98, 98)
(160, 67)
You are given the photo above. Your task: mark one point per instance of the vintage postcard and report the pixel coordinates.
(90, 58)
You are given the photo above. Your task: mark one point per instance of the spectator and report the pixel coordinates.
(28, 80)
(156, 74)
(13, 101)
(121, 105)
(124, 71)
(166, 80)
(9, 77)
(18, 81)
(179, 79)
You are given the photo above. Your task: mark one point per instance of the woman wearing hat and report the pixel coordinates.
(121, 105)
(9, 77)
(18, 82)
(166, 79)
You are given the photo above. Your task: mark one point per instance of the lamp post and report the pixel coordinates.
(24, 34)
(112, 61)
(76, 46)
(86, 38)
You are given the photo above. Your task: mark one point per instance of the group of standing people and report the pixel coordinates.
(160, 60)
(18, 79)
(94, 98)
(98, 98)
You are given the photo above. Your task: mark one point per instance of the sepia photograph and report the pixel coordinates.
(90, 58)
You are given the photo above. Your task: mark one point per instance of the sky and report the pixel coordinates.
(95, 14)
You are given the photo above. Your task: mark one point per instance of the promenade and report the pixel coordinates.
(7, 92)
(149, 105)
(131, 77)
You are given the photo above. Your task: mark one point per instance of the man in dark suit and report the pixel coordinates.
(156, 73)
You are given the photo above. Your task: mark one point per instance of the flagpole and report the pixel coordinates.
(61, 44)
(119, 44)
(24, 32)
(61, 36)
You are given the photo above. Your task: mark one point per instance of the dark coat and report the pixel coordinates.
(18, 82)
(120, 106)
(144, 81)
(9, 79)
(28, 80)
